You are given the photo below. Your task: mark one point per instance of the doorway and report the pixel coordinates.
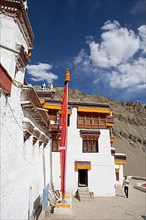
(82, 178)
(117, 174)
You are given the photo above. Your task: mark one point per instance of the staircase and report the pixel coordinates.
(83, 194)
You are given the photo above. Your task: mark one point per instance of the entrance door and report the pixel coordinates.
(83, 178)
(117, 176)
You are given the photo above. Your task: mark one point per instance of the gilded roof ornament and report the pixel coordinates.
(67, 75)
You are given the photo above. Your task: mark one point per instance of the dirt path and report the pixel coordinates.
(117, 207)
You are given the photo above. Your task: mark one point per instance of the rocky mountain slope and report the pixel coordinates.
(129, 129)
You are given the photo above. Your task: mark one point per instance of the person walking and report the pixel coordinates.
(126, 186)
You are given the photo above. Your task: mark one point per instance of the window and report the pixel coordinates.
(55, 145)
(90, 146)
(91, 120)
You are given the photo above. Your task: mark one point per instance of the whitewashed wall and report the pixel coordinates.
(10, 36)
(101, 178)
(22, 178)
(22, 174)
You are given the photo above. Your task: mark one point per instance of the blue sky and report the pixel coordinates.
(102, 42)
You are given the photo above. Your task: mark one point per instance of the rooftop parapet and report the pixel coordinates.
(16, 9)
(120, 158)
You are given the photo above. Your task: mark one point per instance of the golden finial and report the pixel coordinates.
(67, 75)
(51, 86)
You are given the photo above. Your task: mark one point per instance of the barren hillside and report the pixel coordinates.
(129, 129)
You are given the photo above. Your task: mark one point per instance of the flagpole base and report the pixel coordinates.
(64, 207)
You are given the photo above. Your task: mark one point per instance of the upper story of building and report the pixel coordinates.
(16, 42)
(87, 122)
(89, 115)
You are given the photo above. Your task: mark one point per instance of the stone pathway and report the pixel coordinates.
(110, 208)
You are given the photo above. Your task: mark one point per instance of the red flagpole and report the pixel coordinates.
(63, 141)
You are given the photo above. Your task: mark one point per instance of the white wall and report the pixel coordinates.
(22, 178)
(101, 177)
(22, 175)
(10, 36)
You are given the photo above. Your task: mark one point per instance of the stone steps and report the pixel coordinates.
(83, 194)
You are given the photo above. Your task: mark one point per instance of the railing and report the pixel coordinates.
(100, 124)
(54, 127)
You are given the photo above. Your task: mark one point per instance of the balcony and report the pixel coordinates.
(54, 124)
(92, 123)
(54, 127)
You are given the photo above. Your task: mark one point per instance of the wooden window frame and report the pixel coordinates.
(57, 145)
(90, 143)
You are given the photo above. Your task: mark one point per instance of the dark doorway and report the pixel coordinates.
(83, 178)
(117, 176)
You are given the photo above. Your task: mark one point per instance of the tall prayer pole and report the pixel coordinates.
(63, 141)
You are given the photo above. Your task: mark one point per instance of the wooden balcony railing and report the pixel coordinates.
(101, 123)
(54, 127)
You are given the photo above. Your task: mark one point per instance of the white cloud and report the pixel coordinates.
(118, 59)
(142, 34)
(129, 75)
(83, 58)
(118, 44)
(108, 25)
(41, 72)
(143, 86)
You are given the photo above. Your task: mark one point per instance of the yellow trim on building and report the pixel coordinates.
(109, 125)
(112, 140)
(42, 101)
(120, 162)
(68, 112)
(63, 205)
(96, 110)
(82, 167)
(55, 107)
(66, 196)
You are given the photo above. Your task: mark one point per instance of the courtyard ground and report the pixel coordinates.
(110, 208)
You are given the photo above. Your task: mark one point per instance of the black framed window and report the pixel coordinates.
(90, 146)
